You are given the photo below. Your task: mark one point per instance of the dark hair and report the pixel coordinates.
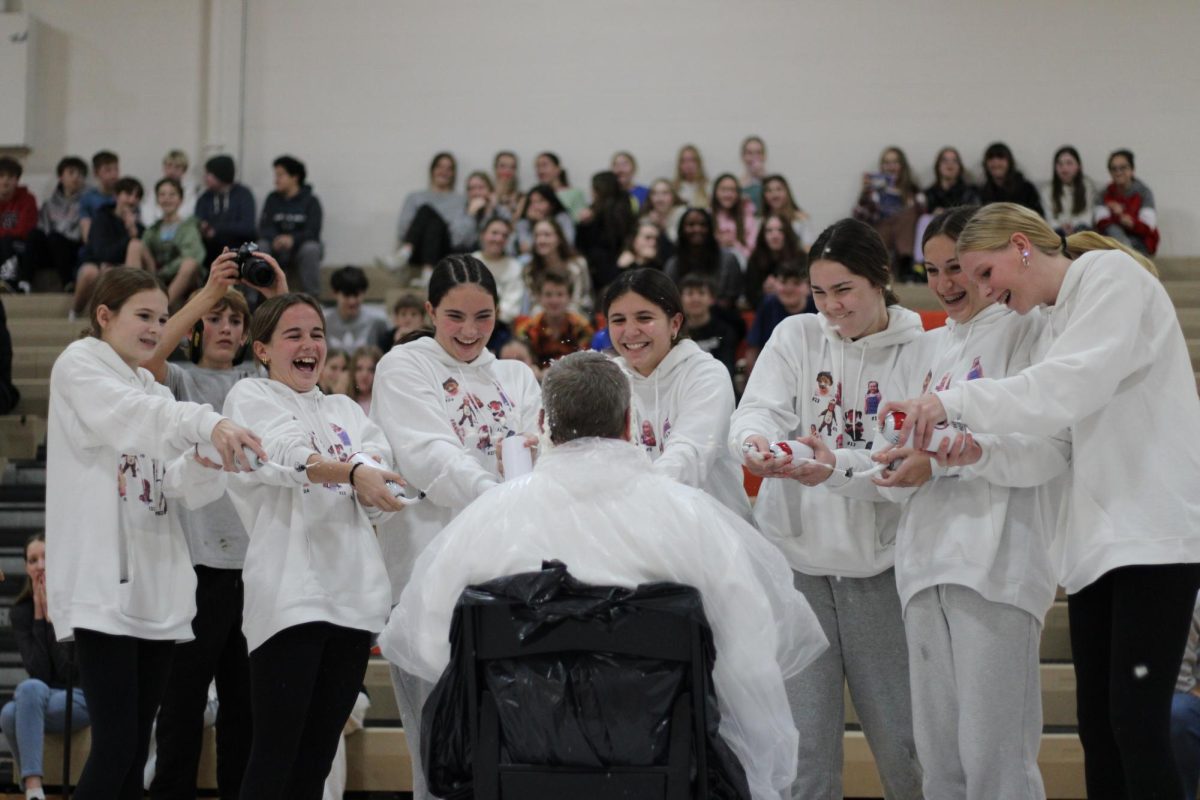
(266, 318)
(456, 270)
(10, 166)
(516, 180)
(453, 162)
(71, 162)
(174, 182)
(547, 193)
(292, 166)
(585, 394)
(695, 281)
(612, 208)
(349, 280)
(115, 287)
(129, 184)
(949, 223)
(27, 589)
(739, 209)
(1013, 178)
(793, 209)
(626, 154)
(904, 181)
(937, 160)
(650, 284)
(706, 258)
(562, 173)
(791, 271)
(103, 158)
(763, 262)
(492, 220)
(1128, 154)
(857, 247)
(1079, 198)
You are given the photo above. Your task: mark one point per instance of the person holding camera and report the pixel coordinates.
(889, 202)
(216, 323)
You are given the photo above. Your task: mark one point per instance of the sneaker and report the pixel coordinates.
(8, 272)
(23, 287)
(71, 315)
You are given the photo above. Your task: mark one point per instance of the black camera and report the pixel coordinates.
(253, 271)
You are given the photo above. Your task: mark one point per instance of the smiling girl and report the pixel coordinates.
(680, 392)
(816, 373)
(446, 403)
(315, 586)
(122, 584)
(1115, 370)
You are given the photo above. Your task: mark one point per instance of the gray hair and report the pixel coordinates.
(585, 394)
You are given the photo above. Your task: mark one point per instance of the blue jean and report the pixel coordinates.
(1185, 740)
(35, 710)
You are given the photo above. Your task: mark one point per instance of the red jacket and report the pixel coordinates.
(1131, 204)
(18, 215)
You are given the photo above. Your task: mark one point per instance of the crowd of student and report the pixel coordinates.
(739, 232)
(274, 577)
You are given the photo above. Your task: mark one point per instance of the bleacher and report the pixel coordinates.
(377, 755)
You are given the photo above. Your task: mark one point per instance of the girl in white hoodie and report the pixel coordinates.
(819, 377)
(682, 396)
(445, 403)
(315, 586)
(121, 582)
(972, 560)
(1116, 372)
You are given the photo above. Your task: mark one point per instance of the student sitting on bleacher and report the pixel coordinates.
(290, 227)
(350, 324)
(590, 502)
(18, 220)
(114, 239)
(59, 233)
(225, 210)
(40, 701)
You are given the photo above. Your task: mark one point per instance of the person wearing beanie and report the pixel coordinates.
(225, 209)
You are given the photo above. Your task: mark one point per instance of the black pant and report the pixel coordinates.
(305, 681)
(123, 680)
(429, 236)
(219, 650)
(57, 252)
(1128, 631)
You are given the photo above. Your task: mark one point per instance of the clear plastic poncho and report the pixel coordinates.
(597, 506)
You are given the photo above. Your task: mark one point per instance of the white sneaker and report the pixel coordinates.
(397, 260)
(71, 315)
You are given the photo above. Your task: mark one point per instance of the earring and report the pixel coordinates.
(1025, 259)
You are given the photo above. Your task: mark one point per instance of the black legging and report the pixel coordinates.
(305, 680)
(123, 680)
(219, 650)
(1128, 631)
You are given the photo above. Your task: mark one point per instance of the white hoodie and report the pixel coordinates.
(809, 380)
(119, 560)
(987, 526)
(1118, 374)
(313, 556)
(444, 419)
(681, 418)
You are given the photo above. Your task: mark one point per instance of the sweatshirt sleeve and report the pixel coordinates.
(1018, 460)
(409, 408)
(768, 406)
(33, 642)
(27, 217)
(1082, 369)
(192, 482)
(701, 426)
(114, 413)
(287, 443)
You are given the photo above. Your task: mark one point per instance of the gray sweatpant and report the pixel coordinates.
(976, 695)
(861, 620)
(411, 694)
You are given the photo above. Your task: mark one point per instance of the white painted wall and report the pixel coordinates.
(365, 90)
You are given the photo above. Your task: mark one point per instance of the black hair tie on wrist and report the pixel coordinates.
(357, 464)
(1065, 249)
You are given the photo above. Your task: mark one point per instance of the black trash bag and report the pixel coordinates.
(591, 709)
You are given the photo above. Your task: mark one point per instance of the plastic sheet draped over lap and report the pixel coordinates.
(586, 709)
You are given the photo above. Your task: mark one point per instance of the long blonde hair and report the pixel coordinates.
(992, 227)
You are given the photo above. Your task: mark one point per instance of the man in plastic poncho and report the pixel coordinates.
(594, 503)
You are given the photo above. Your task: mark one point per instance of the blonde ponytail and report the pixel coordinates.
(992, 227)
